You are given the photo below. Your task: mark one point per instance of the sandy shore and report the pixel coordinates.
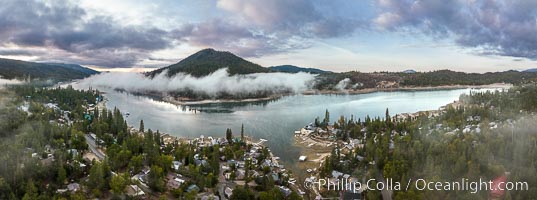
(315, 150)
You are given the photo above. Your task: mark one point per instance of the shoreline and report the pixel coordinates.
(175, 101)
(316, 149)
(418, 88)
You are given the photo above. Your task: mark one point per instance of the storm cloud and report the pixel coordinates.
(62, 25)
(74, 32)
(492, 27)
(300, 17)
(226, 36)
(73, 35)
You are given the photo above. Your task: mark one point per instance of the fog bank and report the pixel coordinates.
(213, 84)
(4, 82)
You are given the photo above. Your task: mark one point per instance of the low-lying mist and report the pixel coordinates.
(213, 85)
(4, 82)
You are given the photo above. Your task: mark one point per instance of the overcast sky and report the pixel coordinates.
(337, 35)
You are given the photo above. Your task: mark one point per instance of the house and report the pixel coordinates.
(228, 192)
(73, 152)
(360, 158)
(310, 179)
(142, 178)
(266, 163)
(240, 174)
(285, 190)
(146, 170)
(241, 164)
(175, 183)
(255, 174)
(52, 106)
(176, 165)
(134, 191)
(73, 187)
(192, 187)
(222, 141)
(302, 158)
(61, 191)
(355, 143)
(275, 177)
(232, 163)
(201, 162)
(336, 174)
(208, 197)
(93, 136)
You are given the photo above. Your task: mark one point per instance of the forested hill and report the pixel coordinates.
(208, 61)
(359, 80)
(295, 69)
(447, 77)
(11, 69)
(74, 67)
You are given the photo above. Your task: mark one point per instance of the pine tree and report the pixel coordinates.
(141, 126)
(326, 118)
(242, 133)
(229, 135)
(62, 175)
(158, 138)
(31, 191)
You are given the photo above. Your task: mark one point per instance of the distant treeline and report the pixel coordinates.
(16, 69)
(447, 77)
(359, 80)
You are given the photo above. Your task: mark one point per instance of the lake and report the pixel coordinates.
(274, 120)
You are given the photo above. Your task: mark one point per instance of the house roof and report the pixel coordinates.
(192, 187)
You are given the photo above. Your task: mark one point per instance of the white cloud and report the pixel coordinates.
(212, 85)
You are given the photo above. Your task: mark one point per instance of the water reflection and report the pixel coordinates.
(274, 120)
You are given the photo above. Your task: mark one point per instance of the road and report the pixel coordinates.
(93, 147)
(223, 183)
(386, 193)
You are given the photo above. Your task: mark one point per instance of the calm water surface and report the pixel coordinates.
(272, 120)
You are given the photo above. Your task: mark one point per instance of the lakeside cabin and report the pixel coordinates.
(302, 158)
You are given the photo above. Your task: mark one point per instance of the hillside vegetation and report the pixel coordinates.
(208, 61)
(16, 69)
(359, 80)
(295, 69)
